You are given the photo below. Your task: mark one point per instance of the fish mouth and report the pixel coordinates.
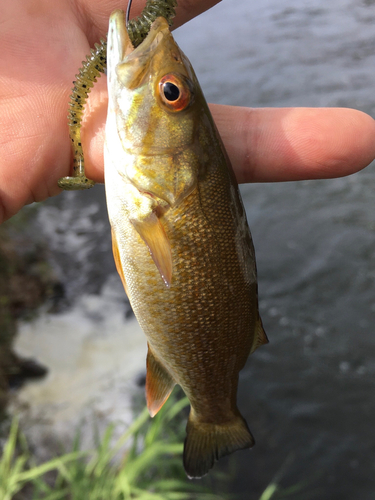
(129, 63)
(157, 31)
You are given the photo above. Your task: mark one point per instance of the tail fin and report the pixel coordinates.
(206, 443)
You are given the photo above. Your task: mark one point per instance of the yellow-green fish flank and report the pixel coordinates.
(181, 241)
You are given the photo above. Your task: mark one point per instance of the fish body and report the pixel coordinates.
(181, 241)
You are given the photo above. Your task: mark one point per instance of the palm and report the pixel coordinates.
(43, 46)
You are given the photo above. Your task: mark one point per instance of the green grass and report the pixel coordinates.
(151, 468)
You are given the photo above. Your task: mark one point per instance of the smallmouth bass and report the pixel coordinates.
(181, 242)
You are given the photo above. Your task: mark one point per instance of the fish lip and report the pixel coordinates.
(153, 38)
(118, 38)
(120, 42)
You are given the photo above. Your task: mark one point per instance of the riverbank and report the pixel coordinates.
(26, 282)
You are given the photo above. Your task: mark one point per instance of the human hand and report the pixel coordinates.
(43, 44)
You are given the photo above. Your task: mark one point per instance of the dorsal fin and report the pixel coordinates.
(159, 384)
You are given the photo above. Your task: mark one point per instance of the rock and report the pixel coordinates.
(26, 282)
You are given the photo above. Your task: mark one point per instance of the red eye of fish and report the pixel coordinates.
(175, 92)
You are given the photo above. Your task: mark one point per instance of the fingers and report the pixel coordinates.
(35, 81)
(277, 144)
(295, 143)
(34, 149)
(188, 9)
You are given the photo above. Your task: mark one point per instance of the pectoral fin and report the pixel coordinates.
(159, 384)
(116, 255)
(152, 233)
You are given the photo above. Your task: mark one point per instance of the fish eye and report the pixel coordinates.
(171, 91)
(175, 92)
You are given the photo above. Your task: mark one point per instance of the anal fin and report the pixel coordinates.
(159, 384)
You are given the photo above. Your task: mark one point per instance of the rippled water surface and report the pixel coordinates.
(309, 396)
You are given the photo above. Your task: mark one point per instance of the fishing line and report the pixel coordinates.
(128, 12)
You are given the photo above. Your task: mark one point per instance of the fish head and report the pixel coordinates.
(155, 108)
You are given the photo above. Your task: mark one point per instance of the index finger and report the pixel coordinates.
(289, 144)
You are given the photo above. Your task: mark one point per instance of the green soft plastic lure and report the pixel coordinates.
(91, 70)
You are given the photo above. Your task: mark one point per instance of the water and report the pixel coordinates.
(309, 395)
